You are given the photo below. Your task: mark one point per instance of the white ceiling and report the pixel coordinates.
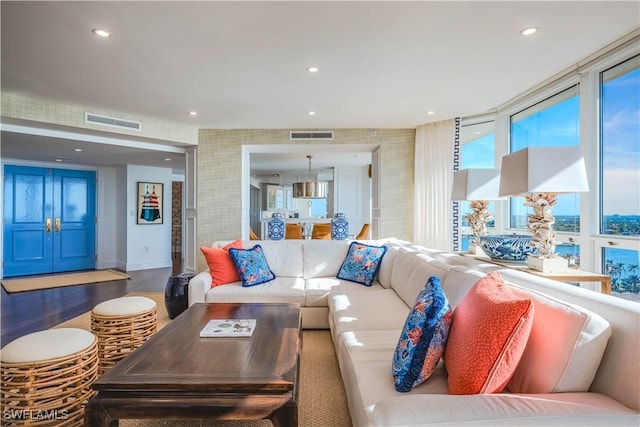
(242, 64)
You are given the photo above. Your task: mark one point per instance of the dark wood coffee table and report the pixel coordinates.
(178, 375)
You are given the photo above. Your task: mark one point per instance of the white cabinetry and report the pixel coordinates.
(278, 197)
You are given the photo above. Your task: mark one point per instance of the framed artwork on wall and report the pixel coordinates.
(150, 203)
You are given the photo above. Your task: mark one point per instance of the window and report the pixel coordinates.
(477, 150)
(620, 149)
(620, 173)
(318, 207)
(623, 265)
(552, 122)
(605, 236)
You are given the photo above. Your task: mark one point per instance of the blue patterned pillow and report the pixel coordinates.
(362, 263)
(251, 265)
(423, 337)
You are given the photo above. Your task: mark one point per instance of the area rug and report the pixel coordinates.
(323, 400)
(33, 283)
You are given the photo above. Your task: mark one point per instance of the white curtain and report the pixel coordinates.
(434, 151)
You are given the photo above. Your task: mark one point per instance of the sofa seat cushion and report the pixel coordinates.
(365, 363)
(367, 309)
(505, 410)
(317, 290)
(280, 289)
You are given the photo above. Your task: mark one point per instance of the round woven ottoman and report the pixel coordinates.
(47, 377)
(122, 325)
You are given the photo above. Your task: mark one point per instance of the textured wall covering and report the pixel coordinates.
(219, 177)
(42, 110)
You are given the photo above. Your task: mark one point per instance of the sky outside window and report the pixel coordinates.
(553, 122)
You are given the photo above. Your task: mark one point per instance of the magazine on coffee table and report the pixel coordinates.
(228, 328)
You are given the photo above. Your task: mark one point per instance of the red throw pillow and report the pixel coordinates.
(221, 266)
(489, 331)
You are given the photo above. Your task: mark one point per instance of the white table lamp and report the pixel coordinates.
(539, 174)
(479, 186)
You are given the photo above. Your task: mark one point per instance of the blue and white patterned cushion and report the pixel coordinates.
(423, 338)
(251, 265)
(362, 263)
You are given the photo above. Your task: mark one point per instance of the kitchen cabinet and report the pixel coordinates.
(278, 197)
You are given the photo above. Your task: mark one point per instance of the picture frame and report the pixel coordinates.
(150, 203)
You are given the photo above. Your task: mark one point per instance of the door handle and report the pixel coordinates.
(57, 225)
(47, 225)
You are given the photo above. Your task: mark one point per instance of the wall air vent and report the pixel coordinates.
(98, 119)
(314, 134)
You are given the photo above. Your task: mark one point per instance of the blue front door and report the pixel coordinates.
(49, 220)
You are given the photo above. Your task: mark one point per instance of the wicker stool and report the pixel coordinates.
(122, 325)
(47, 377)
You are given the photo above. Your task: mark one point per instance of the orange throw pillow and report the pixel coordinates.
(489, 332)
(221, 266)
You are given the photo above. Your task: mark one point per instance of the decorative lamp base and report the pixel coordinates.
(475, 250)
(548, 265)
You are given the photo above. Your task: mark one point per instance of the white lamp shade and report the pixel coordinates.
(545, 170)
(476, 184)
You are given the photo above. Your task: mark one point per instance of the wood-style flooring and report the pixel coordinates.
(26, 312)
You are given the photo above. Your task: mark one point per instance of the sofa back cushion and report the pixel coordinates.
(284, 257)
(384, 274)
(458, 282)
(564, 348)
(323, 258)
(411, 270)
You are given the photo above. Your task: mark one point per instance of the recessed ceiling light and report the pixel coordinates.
(167, 159)
(193, 113)
(430, 112)
(58, 160)
(77, 150)
(311, 113)
(313, 69)
(529, 31)
(101, 33)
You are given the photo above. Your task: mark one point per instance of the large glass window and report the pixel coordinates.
(477, 151)
(620, 173)
(624, 267)
(620, 149)
(552, 122)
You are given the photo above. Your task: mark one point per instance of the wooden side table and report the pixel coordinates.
(571, 275)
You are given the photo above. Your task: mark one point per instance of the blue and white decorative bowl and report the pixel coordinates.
(508, 247)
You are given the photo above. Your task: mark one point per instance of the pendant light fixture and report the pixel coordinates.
(311, 189)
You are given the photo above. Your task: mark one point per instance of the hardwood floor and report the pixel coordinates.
(26, 312)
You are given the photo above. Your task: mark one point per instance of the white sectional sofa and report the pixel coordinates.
(583, 353)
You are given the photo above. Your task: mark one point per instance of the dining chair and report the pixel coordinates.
(293, 231)
(321, 230)
(364, 232)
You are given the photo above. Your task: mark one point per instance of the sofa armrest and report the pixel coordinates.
(198, 287)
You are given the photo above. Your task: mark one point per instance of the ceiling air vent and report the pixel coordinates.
(314, 134)
(98, 119)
